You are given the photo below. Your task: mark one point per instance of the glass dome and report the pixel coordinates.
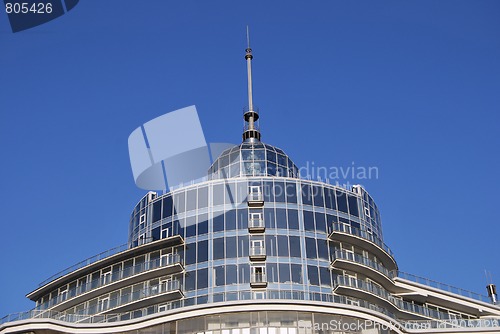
(252, 159)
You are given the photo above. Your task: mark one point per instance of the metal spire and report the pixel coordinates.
(251, 131)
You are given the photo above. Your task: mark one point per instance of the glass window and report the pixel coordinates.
(323, 249)
(311, 248)
(156, 211)
(330, 198)
(320, 222)
(281, 221)
(218, 221)
(283, 245)
(318, 196)
(218, 248)
(312, 275)
(242, 219)
(342, 201)
(218, 194)
(243, 246)
(203, 224)
(296, 273)
(325, 276)
(167, 206)
(202, 279)
(306, 195)
(230, 192)
(284, 272)
(271, 156)
(244, 273)
(155, 233)
(272, 272)
(291, 192)
(190, 226)
(231, 274)
(271, 249)
(293, 219)
(295, 246)
(219, 276)
(190, 254)
(268, 192)
(190, 280)
(231, 249)
(179, 202)
(308, 220)
(191, 200)
(282, 160)
(202, 251)
(279, 191)
(269, 219)
(230, 220)
(353, 206)
(203, 197)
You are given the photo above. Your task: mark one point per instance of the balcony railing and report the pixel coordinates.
(108, 304)
(111, 278)
(400, 304)
(344, 228)
(444, 287)
(256, 224)
(356, 258)
(255, 197)
(257, 252)
(258, 280)
(86, 262)
(422, 325)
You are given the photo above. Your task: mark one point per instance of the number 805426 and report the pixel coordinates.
(24, 8)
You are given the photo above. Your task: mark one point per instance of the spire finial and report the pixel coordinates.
(251, 132)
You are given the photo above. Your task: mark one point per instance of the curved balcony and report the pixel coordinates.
(256, 225)
(363, 265)
(152, 295)
(158, 267)
(351, 286)
(257, 253)
(365, 240)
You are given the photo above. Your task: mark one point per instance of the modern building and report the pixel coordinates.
(252, 249)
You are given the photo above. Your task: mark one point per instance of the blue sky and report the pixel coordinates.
(408, 87)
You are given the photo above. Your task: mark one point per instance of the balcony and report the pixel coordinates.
(256, 225)
(257, 253)
(258, 280)
(255, 199)
(166, 265)
(364, 290)
(365, 240)
(363, 265)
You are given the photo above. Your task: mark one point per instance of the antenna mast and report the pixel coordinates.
(251, 115)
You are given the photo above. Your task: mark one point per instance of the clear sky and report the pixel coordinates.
(409, 87)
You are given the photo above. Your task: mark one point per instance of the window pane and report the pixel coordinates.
(296, 273)
(218, 221)
(311, 248)
(283, 245)
(293, 219)
(219, 276)
(218, 195)
(312, 275)
(279, 191)
(284, 272)
(271, 245)
(306, 195)
(320, 222)
(295, 246)
(203, 224)
(202, 251)
(272, 272)
(231, 274)
(156, 211)
(291, 192)
(191, 200)
(218, 248)
(167, 206)
(342, 202)
(190, 254)
(230, 220)
(308, 221)
(269, 218)
(353, 206)
(243, 246)
(190, 226)
(231, 250)
(323, 249)
(202, 197)
(281, 218)
(318, 196)
(190, 280)
(244, 273)
(325, 276)
(330, 199)
(242, 219)
(202, 279)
